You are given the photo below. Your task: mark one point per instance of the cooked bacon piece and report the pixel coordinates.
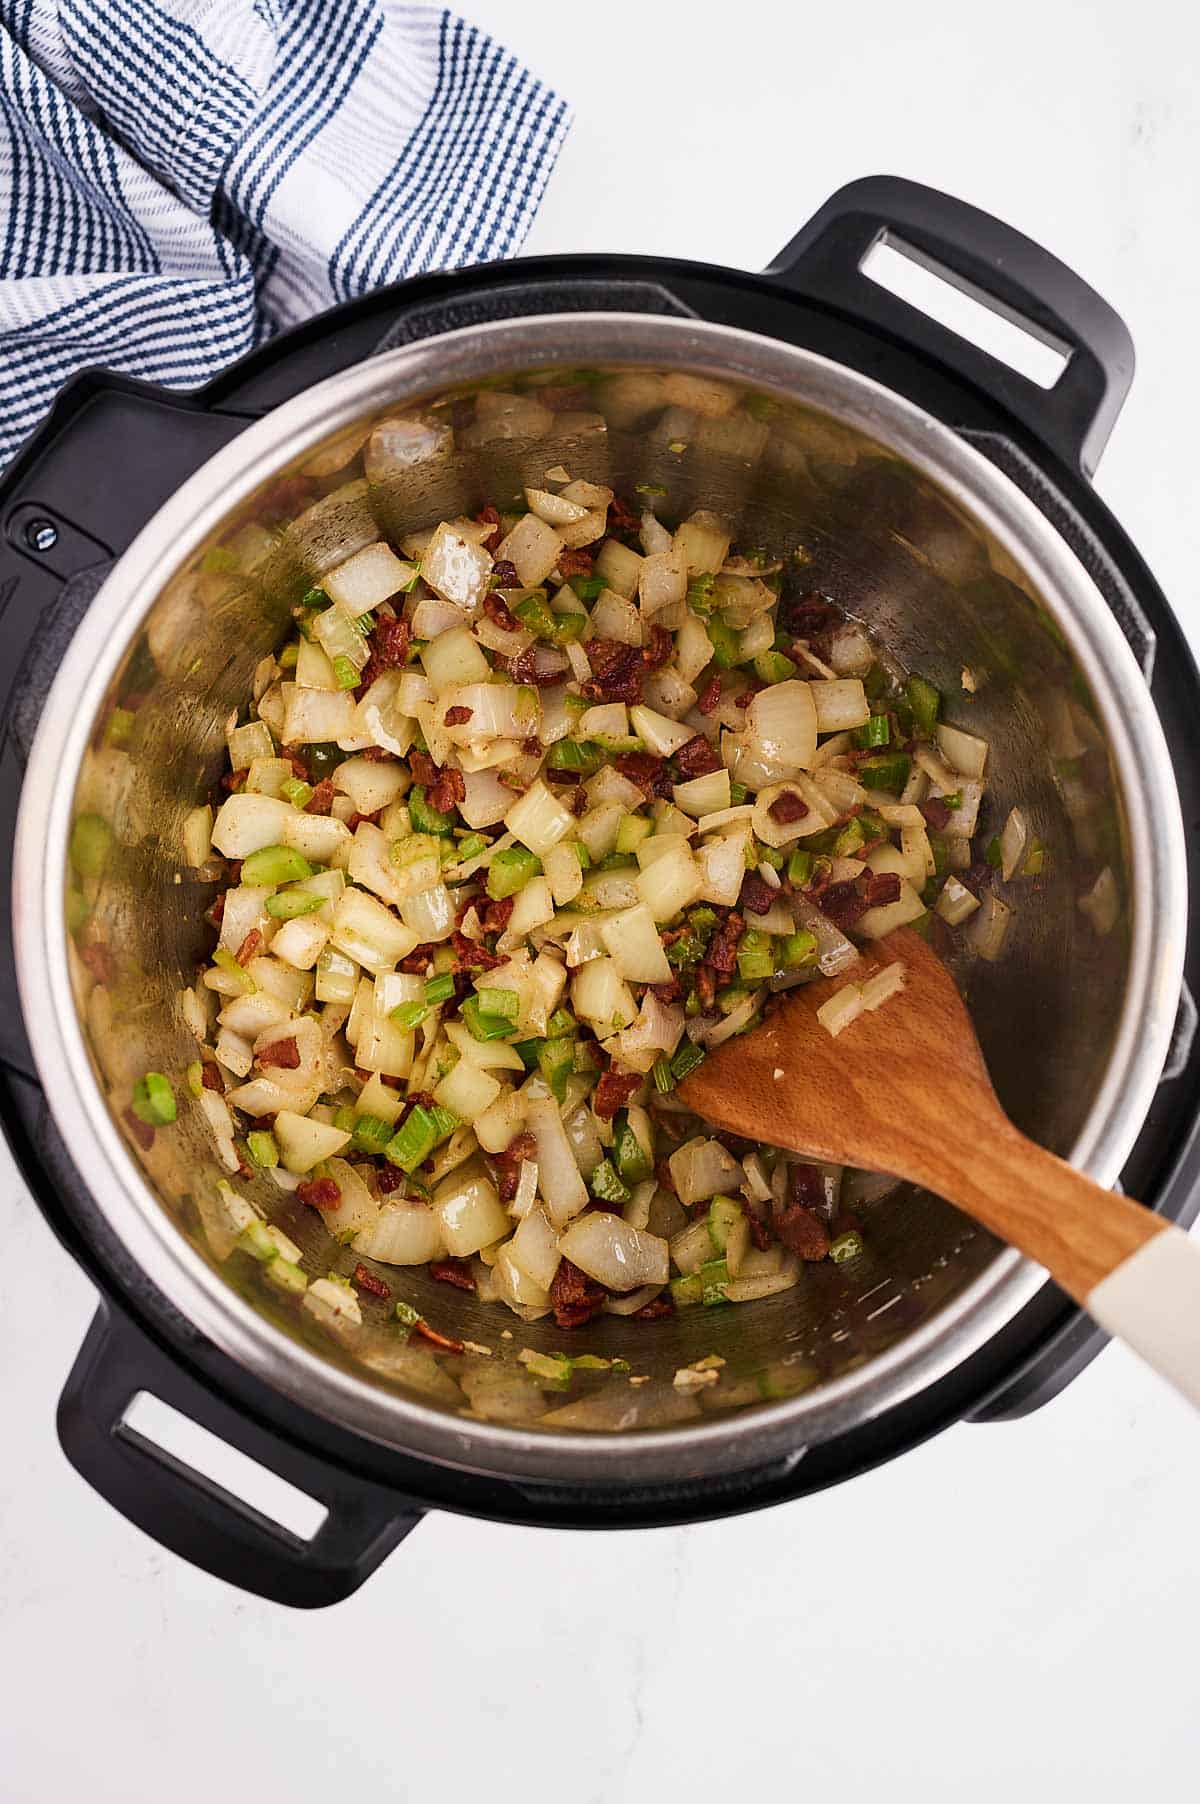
(668, 992)
(539, 665)
(142, 1131)
(320, 1193)
(760, 1233)
(788, 807)
(321, 800)
(616, 671)
(449, 790)
(654, 1310)
(356, 820)
(613, 1092)
(883, 887)
(283, 1055)
(470, 956)
(936, 813)
(387, 1179)
(249, 946)
(452, 1271)
(745, 698)
(508, 1164)
(648, 772)
(845, 902)
(498, 610)
(802, 1232)
(574, 561)
(389, 641)
(374, 1287)
(418, 960)
(722, 948)
(233, 779)
(709, 699)
(457, 717)
(757, 896)
(706, 986)
(504, 574)
(424, 770)
(698, 758)
(532, 747)
(658, 648)
(210, 1077)
(446, 1341)
(662, 1172)
(99, 959)
(622, 518)
(488, 516)
(297, 762)
(809, 616)
(496, 915)
(574, 1296)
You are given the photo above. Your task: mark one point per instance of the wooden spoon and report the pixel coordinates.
(904, 1090)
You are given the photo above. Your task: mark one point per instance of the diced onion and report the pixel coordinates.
(701, 1169)
(616, 1255)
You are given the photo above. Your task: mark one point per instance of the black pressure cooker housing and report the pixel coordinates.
(62, 524)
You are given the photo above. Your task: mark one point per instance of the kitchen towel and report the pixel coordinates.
(179, 179)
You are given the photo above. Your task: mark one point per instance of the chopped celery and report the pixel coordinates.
(756, 956)
(346, 674)
(925, 702)
(874, 732)
(724, 1214)
(686, 1060)
(850, 839)
(440, 989)
(344, 1120)
(633, 1162)
(1035, 860)
(194, 1078)
(664, 1077)
(497, 1002)
(729, 998)
(769, 855)
(551, 1369)
(371, 1133)
(483, 1026)
(633, 830)
(415, 1140)
(470, 847)
(993, 855)
(535, 616)
(225, 961)
(726, 649)
(91, 843)
(424, 818)
(699, 594)
(288, 904)
(885, 770)
(408, 1014)
(584, 756)
(289, 657)
(154, 1099)
(713, 1276)
(406, 1314)
(262, 1149)
(120, 726)
(561, 1022)
(298, 793)
(607, 1187)
(588, 588)
(275, 864)
(529, 1051)
(510, 871)
(799, 948)
(737, 794)
(773, 667)
(846, 1246)
(685, 1291)
(556, 1062)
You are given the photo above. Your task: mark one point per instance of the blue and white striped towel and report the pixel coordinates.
(179, 179)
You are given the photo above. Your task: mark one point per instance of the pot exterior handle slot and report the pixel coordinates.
(1000, 267)
(192, 1515)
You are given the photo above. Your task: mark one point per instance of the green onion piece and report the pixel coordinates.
(770, 855)
(510, 871)
(91, 842)
(725, 644)
(588, 588)
(799, 948)
(876, 731)
(346, 674)
(406, 1314)
(154, 1099)
(584, 756)
(470, 847)
(529, 1050)
(568, 627)
(424, 818)
(607, 1187)
(262, 1149)
(225, 961)
(371, 1133)
(556, 1062)
(363, 624)
(444, 1122)
(702, 919)
(686, 1060)
(550, 1369)
(925, 702)
(756, 956)
(287, 904)
(415, 1140)
(728, 998)
(297, 792)
(773, 667)
(483, 1026)
(440, 989)
(846, 1246)
(633, 1162)
(194, 1078)
(993, 854)
(275, 864)
(664, 1077)
(497, 1002)
(885, 770)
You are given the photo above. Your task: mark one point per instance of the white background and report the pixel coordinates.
(1009, 1608)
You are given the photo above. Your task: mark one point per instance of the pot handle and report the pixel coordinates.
(192, 1515)
(996, 265)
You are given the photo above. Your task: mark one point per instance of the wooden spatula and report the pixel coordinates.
(904, 1090)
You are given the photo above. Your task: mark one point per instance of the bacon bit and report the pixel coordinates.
(658, 651)
(298, 764)
(100, 962)
(374, 1287)
(616, 671)
(508, 1164)
(883, 887)
(706, 986)
(319, 1193)
(488, 516)
(788, 807)
(802, 1232)
(668, 992)
(471, 957)
(216, 913)
(756, 895)
(210, 1077)
(234, 779)
(698, 758)
(578, 801)
(387, 1179)
(574, 561)
(449, 790)
(722, 948)
(652, 1311)
(356, 820)
(375, 754)
(760, 1233)
(809, 616)
(452, 1271)
(141, 1130)
(542, 673)
(622, 518)
(936, 813)
(563, 396)
(745, 698)
(709, 699)
(418, 961)
(504, 574)
(456, 717)
(575, 1297)
(844, 903)
(648, 772)
(613, 1092)
(497, 915)
(532, 747)
(321, 800)
(389, 641)
(424, 770)
(249, 946)
(446, 1341)
(283, 1054)
(662, 1172)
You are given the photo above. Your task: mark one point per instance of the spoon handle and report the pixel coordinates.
(1151, 1301)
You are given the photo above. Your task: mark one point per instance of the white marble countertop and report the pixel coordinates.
(1008, 1608)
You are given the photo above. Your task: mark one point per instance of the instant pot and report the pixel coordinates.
(939, 496)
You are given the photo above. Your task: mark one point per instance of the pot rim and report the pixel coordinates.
(720, 1444)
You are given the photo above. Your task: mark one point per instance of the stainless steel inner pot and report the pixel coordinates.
(903, 524)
